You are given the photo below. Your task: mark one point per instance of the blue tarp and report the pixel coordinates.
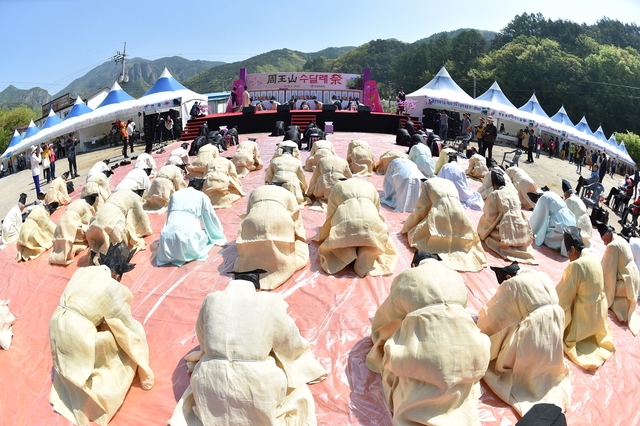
(115, 96)
(533, 107)
(495, 95)
(166, 83)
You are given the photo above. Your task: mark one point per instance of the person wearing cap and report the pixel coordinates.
(36, 234)
(621, 278)
(146, 161)
(69, 238)
(548, 220)
(70, 146)
(191, 230)
(288, 169)
(477, 167)
(401, 184)
(319, 150)
(429, 352)
(136, 179)
(329, 171)
(480, 133)
(169, 179)
(579, 210)
(272, 236)
(253, 367)
(58, 191)
(13, 221)
(120, 218)
(525, 323)
(503, 226)
(361, 160)
(524, 184)
(488, 138)
(454, 172)
(588, 340)
(354, 231)
(247, 158)
(179, 156)
(439, 225)
(98, 347)
(35, 160)
(221, 183)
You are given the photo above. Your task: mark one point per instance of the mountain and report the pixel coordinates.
(142, 74)
(221, 77)
(487, 35)
(34, 97)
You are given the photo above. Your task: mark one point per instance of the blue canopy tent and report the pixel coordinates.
(562, 117)
(51, 121)
(533, 107)
(15, 140)
(583, 126)
(32, 130)
(599, 133)
(115, 96)
(501, 108)
(495, 95)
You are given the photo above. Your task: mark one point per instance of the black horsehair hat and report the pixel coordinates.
(497, 178)
(251, 276)
(196, 183)
(572, 238)
(501, 273)
(91, 198)
(603, 228)
(23, 198)
(118, 257)
(277, 183)
(419, 256)
(534, 196)
(287, 150)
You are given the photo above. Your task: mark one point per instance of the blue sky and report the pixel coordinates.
(49, 43)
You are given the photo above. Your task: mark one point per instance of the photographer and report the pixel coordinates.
(488, 138)
(71, 155)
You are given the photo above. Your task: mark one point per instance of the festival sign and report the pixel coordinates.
(304, 81)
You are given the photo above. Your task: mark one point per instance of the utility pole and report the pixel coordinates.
(389, 83)
(122, 57)
(474, 87)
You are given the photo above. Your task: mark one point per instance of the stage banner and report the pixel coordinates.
(238, 86)
(304, 81)
(372, 97)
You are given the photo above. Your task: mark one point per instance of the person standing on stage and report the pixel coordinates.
(400, 97)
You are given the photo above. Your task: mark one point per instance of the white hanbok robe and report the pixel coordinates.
(548, 220)
(136, 179)
(402, 185)
(526, 324)
(146, 161)
(583, 221)
(191, 230)
(252, 367)
(477, 166)
(455, 173)
(11, 225)
(179, 157)
(99, 167)
(421, 155)
(427, 348)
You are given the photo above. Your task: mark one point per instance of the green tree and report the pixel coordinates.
(11, 119)
(631, 142)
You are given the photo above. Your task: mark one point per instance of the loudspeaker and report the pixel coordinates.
(284, 107)
(328, 107)
(364, 108)
(248, 110)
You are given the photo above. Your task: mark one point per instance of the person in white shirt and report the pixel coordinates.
(13, 221)
(35, 167)
(168, 124)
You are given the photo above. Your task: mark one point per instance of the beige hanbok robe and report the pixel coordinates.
(121, 218)
(621, 282)
(504, 227)
(58, 192)
(221, 183)
(288, 169)
(524, 184)
(36, 234)
(11, 225)
(443, 159)
(355, 231)
(97, 184)
(360, 158)
(439, 225)
(525, 324)
(69, 237)
(292, 144)
(477, 167)
(583, 221)
(271, 236)
(319, 150)
(588, 340)
(487, 187)
(6, 325)
(252, 367)
(97, 347)
(386, 158)
(198, 167)
(329, 172)
(428, 350)
(247, 158)
(179, 157)
(169, 179)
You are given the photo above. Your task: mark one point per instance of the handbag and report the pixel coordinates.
(45, 163)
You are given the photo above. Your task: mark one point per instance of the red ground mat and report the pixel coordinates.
(333, 312)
